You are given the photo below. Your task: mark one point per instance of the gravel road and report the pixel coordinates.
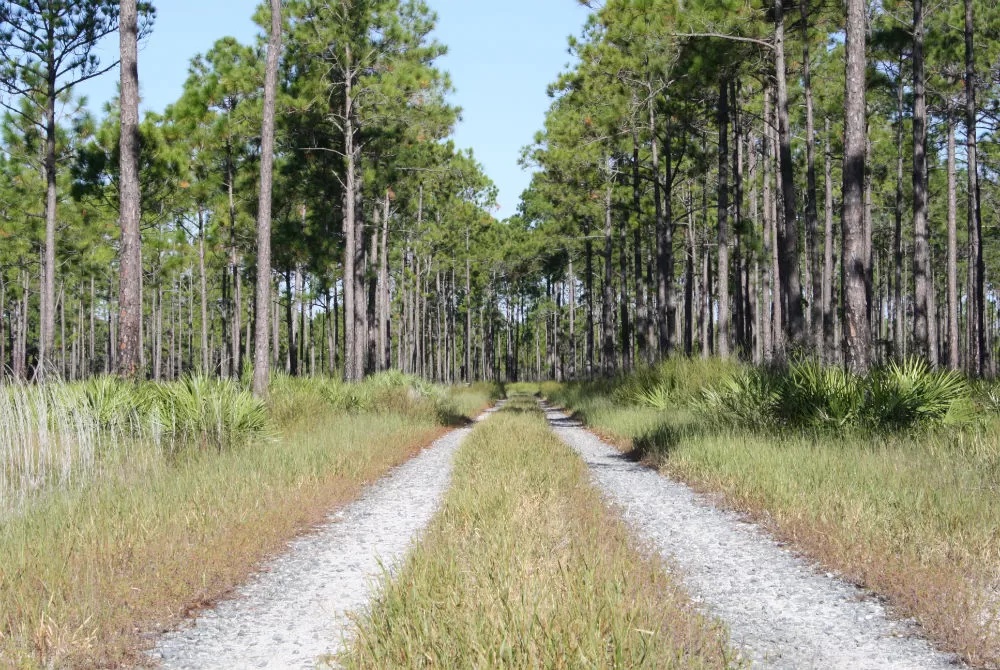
(295, 611)
(782, 611)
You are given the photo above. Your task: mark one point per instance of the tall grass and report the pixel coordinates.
(61, 435)
(45, 440)
(173, 494)
(524, 567)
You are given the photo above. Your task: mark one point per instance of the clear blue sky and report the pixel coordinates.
(501, 57)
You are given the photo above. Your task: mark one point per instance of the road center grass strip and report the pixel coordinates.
(525, 567)
(88, 575)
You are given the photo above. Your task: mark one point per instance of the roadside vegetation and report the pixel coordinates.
(524, 567)
(891, 479)
(129, 506)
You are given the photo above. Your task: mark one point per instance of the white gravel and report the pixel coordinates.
(782, 612)
(295, 612)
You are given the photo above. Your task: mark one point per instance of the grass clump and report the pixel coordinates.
(524, 567)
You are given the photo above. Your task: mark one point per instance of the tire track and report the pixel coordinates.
(295, 613)
(781, 611)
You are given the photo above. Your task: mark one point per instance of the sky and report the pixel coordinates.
(502, 55)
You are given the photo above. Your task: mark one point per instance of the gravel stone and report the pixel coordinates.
(295, 613)
(782, 611)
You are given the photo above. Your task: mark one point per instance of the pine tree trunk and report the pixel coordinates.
(768, 291)
(353, 363)
(690, 262)
(788, 234)
(607, 312)
(740, 302)
(261, 359)
(385, 342)
(627, 341)
(857, 335)
(235, 297)
(290, 313)
(979, 354)
(21, 332)
(812, 215)
(571, 278)
(921, 232)
(3, 330)
(467, 376)
(642, 344)
(62, 331)
(756, 297)
(953, 338)
(589, 270)
(372, 316)
(779, 296)
(898, 326)
(130, 269)
(361, 343)
(664, 238)
(92, 343)
(156, 316)
(722, 285)
(829, 299)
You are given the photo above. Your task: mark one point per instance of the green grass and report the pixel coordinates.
(525, 568)
(86, 568)
(912, 514)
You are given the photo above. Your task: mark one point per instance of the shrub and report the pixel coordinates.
(207, 412)
(899, 396)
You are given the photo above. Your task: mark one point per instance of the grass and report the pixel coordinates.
(911, 514)
(524, 567)
(86, 571)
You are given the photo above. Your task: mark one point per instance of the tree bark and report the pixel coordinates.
(812, 215)
(921, 232)
(627, 343)
(130, 270)
(641, 314)
(722, 284)
(828, 246)
(857, 333)
(261, 362)
(353, 306)
(607, 312)
(788, 234)
(978, 352)
(589, 271)
(468, 310)
(953, 339)
(898, 326)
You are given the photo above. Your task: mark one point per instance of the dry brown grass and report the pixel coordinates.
(944, 575)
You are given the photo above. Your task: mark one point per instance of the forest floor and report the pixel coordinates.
(477, 584)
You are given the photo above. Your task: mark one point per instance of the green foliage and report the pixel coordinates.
(207, 412)
(809, 396)
(671, 382)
